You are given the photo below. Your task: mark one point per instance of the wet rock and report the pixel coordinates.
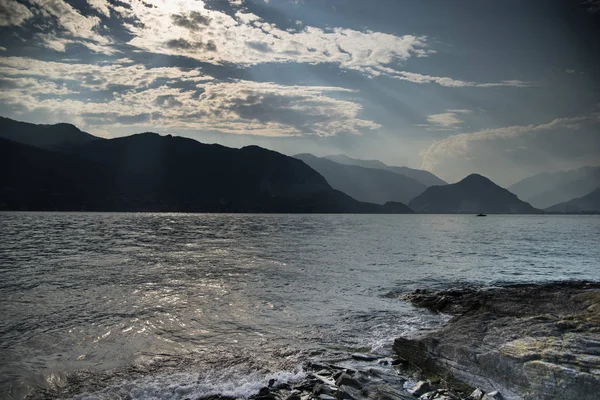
(326, 397)
(421, 388)
(349, 393)
(495, 395)
(323, 389)
(528, 341)
(365, 357)
(427, 396)
(477, 394)
(348, 380)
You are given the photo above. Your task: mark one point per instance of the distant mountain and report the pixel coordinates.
(547, 189)
(474, 194)
(365, 184)
(149, 172)
(425, 177)
(45, 136)
(587, 203)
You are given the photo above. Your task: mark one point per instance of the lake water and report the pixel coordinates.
(184, 305)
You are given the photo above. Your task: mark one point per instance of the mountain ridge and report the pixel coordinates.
(474, 194)
(425, 177)
(372, 185)
(549, 188)
(590, 203)
(151, 172)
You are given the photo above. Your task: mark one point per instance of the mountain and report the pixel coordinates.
(587, 203)
(547, 189)
(474, 194)
(365, 184)
(149, 172)
(425, 177)
(43, 136)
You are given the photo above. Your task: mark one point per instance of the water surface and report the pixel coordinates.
(176, 305)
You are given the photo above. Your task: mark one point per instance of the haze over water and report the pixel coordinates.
(177, 305)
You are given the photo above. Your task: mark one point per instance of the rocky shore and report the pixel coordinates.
(526, 341)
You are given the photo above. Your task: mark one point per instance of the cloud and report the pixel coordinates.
(64, 25)
(97, 77)
(592, 6)
(444, 121)
(102, 6)
(449, 82)
(246, 39)
(155, 96)
(13, 13)
(573, 138)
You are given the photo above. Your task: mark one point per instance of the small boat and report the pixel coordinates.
(481, 215)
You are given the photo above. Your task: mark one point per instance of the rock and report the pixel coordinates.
(326, 397)
(527, 341)
(349, 393)
(348, 380)
(495, 395)
(323, 389)
(337, 375)
(420, 388)
(325, 372)
(365, 357)
(477, 394)
(427, 396)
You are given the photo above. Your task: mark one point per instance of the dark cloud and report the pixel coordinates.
(193, 21)
(260, 46)
(281, 109)
(167, 101)
(13, 13)
(592, 6)
(187, 45)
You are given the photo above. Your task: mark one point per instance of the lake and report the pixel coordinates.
(182, 305)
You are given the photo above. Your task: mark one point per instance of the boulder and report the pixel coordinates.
(421, 388)
(526, 341)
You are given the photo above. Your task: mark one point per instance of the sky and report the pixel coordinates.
(505, 88)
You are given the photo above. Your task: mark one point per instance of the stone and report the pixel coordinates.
(477, 394)
(420, 388)
(526, 341)
(348, 380)
(495, 395)
(365, 357)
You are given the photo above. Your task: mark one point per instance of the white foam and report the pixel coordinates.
(186, 385)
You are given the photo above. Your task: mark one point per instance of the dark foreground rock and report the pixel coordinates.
(526, 341)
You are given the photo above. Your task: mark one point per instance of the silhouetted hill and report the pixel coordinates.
(365, 184)
(36, 179)
(474, 194)
(587, 203)
(48, 137)
(550, 188)
(149, 172)
(425, 177)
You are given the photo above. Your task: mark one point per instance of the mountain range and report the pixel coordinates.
(60, 167)
(589, 203)
(149, 172)
(549, 188)
(474, 194)
(425, 177)
(372, 185)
